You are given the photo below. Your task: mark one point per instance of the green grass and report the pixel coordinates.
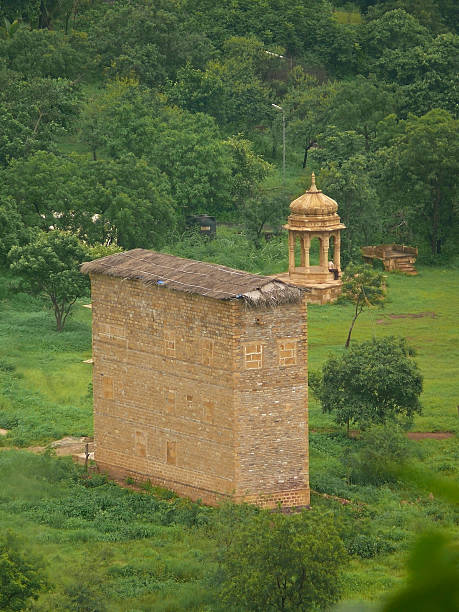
(436, 340)
(160, 559)
(44, 386)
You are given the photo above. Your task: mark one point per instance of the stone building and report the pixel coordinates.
(314, 215)
(200, 378)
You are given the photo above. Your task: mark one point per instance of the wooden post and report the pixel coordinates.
(86, 457)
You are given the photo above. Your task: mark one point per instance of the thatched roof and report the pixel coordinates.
(211, 280)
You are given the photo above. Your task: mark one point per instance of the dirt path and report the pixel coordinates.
(433, 435)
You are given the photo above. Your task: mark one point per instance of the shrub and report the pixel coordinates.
(380, 448)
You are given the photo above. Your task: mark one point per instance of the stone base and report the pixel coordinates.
(293, 498)
(210, 498)
(319, 293)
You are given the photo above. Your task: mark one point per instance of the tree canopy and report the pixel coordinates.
(370, 383)
(49, 266)
(277, 562)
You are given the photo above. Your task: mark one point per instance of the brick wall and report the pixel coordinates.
(200, 395)
(271, 406)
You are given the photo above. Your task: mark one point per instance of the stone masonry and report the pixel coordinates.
(207, 397)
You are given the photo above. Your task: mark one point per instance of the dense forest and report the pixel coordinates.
(120, 119)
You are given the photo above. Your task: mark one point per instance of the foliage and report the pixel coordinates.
(35, 111)
(365, 288)
(147, 40)
(380, 448)
(12, 229)
(123, 201)
(433, 577)
(423, 164)
(349, 180)
(21, 576)
(279, 562)
(230, 89)
(425, 74)
(372, 382)
(46, 53)
(50, 266)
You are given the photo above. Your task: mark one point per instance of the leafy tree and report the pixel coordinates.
(231, 88)
(351, 182)
(34, 112)
(364, 287)
(12, 229)
(147, 40)
(21, 576)
(373, 382)
(248, 170)
(305, 30)
(28, 10)
(359, 104)
(47, 53)
(426, 74)
(395, 29)
(10, 28)
(308, 107)
(123, 201)
(188, 149)
(38, 186)
(49, 266)
(278, 562)
(419, 176)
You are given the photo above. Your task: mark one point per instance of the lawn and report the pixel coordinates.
(157, 554)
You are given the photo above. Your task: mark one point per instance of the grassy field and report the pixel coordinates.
(157, 554)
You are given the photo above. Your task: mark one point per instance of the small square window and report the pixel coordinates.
(253, 356)
(287, 352)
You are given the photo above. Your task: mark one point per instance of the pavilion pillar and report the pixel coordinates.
(291, 252)
(324, 244)
(306, 247)
(337, 253)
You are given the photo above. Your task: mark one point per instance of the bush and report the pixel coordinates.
(380, 448)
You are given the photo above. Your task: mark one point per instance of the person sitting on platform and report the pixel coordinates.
(331, 268)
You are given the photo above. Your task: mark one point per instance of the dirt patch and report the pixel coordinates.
(432, 435)
(3, 432)
(66, 446)
(407, 315)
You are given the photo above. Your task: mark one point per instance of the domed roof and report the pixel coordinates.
(313, 202)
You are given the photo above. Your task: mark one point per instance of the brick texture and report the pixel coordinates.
(203, 396)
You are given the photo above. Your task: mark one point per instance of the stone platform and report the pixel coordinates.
(319, 293)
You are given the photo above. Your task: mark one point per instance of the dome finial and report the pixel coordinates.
(313, 183)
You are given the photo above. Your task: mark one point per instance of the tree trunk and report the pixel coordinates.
(59, 322)
(43, 17)
(348, 341)
(305, 159)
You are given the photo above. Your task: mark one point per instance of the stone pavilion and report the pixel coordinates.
(314, 216)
